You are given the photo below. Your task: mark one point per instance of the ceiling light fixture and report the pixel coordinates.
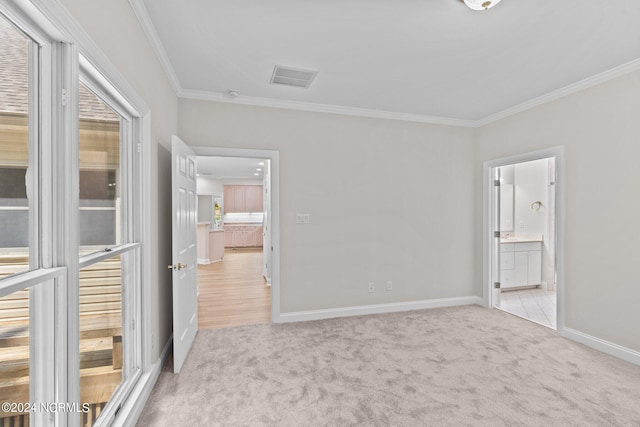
(480, 4)
(232, 94)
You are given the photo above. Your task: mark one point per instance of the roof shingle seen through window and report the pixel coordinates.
(14, 79)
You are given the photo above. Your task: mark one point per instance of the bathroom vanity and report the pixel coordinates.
(520, 263)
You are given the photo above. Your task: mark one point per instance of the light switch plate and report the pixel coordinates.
(302, 218)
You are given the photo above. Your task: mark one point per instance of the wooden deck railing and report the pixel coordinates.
(100, 339)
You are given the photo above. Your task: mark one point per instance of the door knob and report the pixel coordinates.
(180, 266)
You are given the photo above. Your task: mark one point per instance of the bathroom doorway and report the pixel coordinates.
(523, 230)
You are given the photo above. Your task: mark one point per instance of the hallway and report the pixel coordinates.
(233, 292)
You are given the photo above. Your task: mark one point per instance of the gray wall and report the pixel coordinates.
(392, 200)
(115, 29)
(599, 128)
(389, 200)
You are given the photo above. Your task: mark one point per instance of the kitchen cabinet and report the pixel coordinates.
(250, 238)
(243, 236)
(210, 244)
(242, 198)
(216, 245)
(239, 239)
(253, 198)
(239, 192)
(228, 237)
(202, 242)
(229, 199)
(520, 264)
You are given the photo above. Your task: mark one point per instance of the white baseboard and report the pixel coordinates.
(300, 316)
(204, 261)
(133, 406)
(615, 350)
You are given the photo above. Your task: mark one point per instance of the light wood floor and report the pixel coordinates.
(233, 292)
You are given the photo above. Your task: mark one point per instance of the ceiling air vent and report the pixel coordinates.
(292, 76)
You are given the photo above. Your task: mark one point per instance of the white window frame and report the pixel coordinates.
(46, 283)
(127, 241)
(43, 285)
(62, 41)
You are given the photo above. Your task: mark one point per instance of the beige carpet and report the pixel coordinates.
(461, 366)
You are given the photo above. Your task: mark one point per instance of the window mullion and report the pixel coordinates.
(36, 119)
(64, 231)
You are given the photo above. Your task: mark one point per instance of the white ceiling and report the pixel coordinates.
(435, 60)
(230, 168)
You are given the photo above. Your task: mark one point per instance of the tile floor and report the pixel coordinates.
(537, 305)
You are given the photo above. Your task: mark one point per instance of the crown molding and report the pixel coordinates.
(362, 112)
(562, 92)
(322, 108)
(150, 30)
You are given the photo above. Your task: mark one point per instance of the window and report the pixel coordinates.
(100, 179)
(16, 211)
(14, 341)
(18, 219)
(70, 231)
(109, 252)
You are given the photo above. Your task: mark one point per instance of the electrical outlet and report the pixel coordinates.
(372, 287)
(521, 224)
(389, 285)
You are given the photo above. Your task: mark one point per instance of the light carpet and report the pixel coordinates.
(459, 366)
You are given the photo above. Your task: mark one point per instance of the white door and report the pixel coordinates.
(185, 296)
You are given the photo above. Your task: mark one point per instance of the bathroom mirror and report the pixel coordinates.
(506, 207)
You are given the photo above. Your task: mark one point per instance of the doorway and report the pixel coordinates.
(234, 234)
(523, 236)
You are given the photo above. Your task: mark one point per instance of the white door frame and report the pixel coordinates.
(273, 156)
(487, 229)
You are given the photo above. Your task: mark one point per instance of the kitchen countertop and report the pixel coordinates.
(521, 240)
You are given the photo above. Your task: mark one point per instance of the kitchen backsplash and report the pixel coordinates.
(255, 218)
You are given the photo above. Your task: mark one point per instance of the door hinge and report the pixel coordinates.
(496, 285)
(63, 97)
(496, 182)
(496, 234)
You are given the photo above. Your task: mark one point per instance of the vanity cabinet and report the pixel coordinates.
(520, 264)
